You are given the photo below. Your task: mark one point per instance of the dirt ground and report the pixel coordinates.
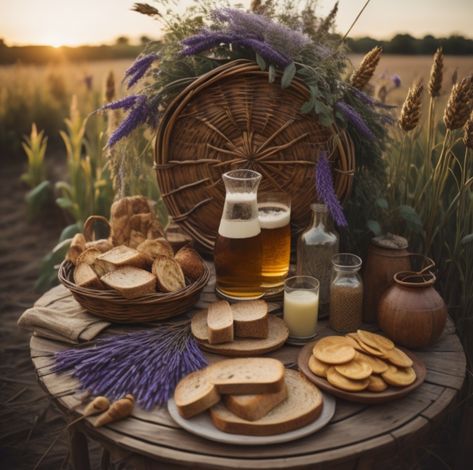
(29, 420)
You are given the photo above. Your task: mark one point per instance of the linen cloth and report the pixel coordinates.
(57, 315)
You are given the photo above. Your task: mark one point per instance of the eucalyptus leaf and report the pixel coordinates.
(288, 75)
(382, 203)
(64, 202)
(308, 105)
(261, 62)
(271, 74)
(467, 239)
(410, 215)
(374, 227)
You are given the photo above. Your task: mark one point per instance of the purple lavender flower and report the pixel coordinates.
(355, 119)
(203, 42)
(266, 51)
(326, 192)
(137, 115)
(138, 69)
(369, 100)
(124, 103)
(396, 79)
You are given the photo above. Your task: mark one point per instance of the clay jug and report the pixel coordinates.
(411, 312)
(387, 255)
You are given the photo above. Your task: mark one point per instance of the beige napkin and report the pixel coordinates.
(57, 315)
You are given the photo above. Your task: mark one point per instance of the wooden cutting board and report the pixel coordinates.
(391, 393)
(241, 347)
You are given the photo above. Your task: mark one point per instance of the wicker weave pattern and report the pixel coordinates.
(111, 306)
(233, 118)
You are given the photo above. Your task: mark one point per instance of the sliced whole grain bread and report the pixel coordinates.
(220, 322)
(85, 276)
(303, 405)
(250, 319)
(195, 394)
(124, 256)
(131, 282)
(169, 274)
(247, 375)
(154, 248)
(253, 407)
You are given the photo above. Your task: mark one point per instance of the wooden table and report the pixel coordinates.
(357, 436)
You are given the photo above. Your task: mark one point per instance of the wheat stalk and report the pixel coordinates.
(468, 133)
(410, 113)
(365, 71)
(145, 9)
(459, 104)
(436, 74)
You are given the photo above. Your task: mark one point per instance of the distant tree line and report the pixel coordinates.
(122, 49)
(407, 44)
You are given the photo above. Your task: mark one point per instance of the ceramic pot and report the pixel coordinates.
(383, 261)
(411, 312)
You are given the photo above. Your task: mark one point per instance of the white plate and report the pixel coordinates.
(202, 426)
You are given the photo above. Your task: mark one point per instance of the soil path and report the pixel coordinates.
(29, 421)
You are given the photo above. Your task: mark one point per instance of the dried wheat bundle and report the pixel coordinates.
(145, 9)
(459, 104)
(410, 113)
(468, 133)
(362, 75)
(436, 74)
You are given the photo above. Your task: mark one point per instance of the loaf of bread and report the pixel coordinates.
(251, 319)
(220, 322)
(102, 245)
(253, 407)
(88, 256)
(190, 262)
(76, 247)
(154, 248)
(168, 273)
(303, 405)
(131, 282)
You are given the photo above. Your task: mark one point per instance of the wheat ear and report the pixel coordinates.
(410, 113)
(362, 75)
(436, 74)
(459, 104)
(468, 133)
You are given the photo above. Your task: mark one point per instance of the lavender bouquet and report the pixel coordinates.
(148, 364)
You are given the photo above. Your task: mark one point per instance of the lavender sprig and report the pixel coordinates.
(137, 115)
(147, 364)
(124, 103)
(138, 69)
(326, 191)
(355, 119)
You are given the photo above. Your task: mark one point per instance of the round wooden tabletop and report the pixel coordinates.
(357, 431)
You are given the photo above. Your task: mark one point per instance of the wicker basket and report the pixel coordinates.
(111, 306)
(232, 117)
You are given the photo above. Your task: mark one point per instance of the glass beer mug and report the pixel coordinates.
(238, 249)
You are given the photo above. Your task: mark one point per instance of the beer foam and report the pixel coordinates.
(239, 228)
(270, 219)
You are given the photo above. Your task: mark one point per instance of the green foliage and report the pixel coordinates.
(34, 146)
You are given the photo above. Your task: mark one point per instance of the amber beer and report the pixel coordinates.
(275, 225)
(238, 249)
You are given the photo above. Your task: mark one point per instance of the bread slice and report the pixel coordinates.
(190, 262)
(169, 274)
(154, 248)
(253, 407)
(220, 322)
(247, 375)
(124, 256)
(195, 394)
(88, 256)
(85, 276)
(131, 282)
(303, 405)
(102, 245)
(251, 319)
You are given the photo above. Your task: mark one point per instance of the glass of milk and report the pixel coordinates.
(301, 306)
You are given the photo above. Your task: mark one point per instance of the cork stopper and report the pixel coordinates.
(390, 241)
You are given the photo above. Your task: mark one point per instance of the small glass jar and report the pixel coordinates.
(346, 293)
(315, 248)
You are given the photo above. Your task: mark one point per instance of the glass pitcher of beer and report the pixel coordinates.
(274, 212)
(238, 248)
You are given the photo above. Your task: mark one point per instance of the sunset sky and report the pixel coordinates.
(74, 22)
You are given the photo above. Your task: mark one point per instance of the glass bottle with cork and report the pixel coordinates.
(315, 249)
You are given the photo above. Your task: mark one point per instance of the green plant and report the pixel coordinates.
(35, 146)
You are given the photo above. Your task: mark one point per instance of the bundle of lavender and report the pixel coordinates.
(147, 364)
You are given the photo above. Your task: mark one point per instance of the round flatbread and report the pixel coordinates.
(399, 377)
(356, 369)
(339, 381)
(376, 384)
(376, 364)
(398, 358)
(374, 340)
(333, 350)
(318, 367)
(352, 342)
(370, 350)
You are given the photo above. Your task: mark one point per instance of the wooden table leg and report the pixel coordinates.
(79, 450)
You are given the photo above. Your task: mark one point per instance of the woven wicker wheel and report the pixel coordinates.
(231, 118)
